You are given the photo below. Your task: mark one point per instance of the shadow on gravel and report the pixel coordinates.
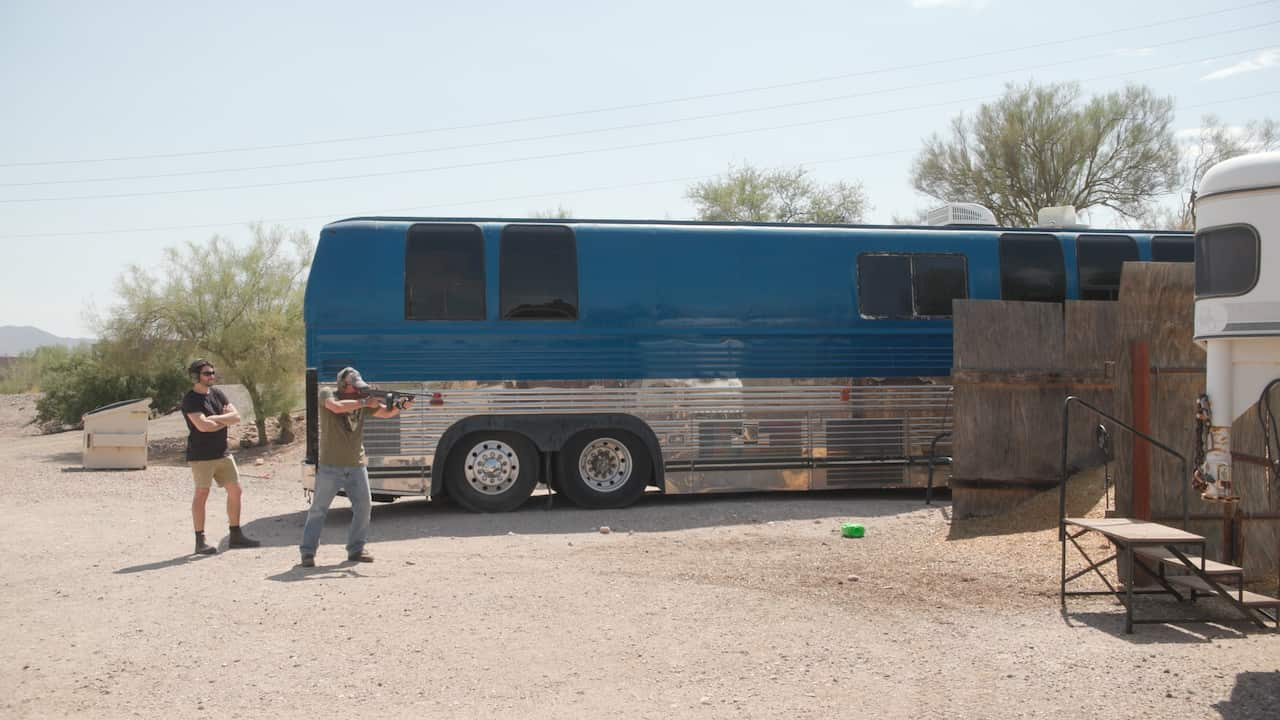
(341, 571)
(1208, 621)
(1255, 696)
(162, 564)
(655, 512)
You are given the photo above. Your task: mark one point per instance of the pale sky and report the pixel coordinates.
(503, 108)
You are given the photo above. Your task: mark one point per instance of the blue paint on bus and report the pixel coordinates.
(655, 300)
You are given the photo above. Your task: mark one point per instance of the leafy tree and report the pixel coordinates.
(22, 374)
(915, 217)
(746, 194)
(559, 212)
(1217, 142)
(1039, 146)
(77, 381)
(241, 306)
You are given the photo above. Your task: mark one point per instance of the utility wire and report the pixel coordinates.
(575, 153)
(632, 126)
(651, 103)
(507, 198)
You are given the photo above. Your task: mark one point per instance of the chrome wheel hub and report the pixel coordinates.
(492, 467)
(605, 465)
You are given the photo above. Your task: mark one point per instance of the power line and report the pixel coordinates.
(651, 103)
(575, 153)
(506, 198)
(631, 126)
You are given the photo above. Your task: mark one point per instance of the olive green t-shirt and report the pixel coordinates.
(341, 435)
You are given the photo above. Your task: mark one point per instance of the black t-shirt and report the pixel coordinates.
(205, 445)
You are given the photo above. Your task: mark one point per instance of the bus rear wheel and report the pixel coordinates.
(492, 472)
(604, 469)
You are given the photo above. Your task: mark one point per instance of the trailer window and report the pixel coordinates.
(936, 281)
(1031, 268)
(444, 273)
(1099, 259)
(884, 286)
(1226, 261)
(1166, 248)
(538, 269)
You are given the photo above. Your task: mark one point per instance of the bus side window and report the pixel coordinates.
(538, 273)
(444, 273)
(936, 281)
(1171, 248)
(884, 286)
(1032, 268)
(1099, 259)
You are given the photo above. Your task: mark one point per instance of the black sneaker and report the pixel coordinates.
(308, 561)
(204, 549)
(362, 556)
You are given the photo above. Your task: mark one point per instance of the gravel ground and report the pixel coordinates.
(704, 607)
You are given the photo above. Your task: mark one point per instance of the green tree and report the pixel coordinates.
(241, 306)
(559, 212)
(1040, 146)
(77, 381)
(746, 194)
(1216, 142)
(22, 374)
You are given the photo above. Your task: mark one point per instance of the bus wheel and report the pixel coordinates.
(604, 469)
(492, 472)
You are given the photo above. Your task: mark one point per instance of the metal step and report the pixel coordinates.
(1249, 599)
(1166, 557)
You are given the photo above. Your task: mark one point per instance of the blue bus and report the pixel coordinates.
(605, 357)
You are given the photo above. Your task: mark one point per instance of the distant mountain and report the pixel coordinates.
(19, 339)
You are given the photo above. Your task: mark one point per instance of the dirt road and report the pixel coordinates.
(730, 607)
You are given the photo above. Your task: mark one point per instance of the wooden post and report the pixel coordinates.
(1141, 390)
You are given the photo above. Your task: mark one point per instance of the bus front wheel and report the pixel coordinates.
(604, 469)
(492, 472)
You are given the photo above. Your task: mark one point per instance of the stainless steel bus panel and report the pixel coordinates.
(714, 435)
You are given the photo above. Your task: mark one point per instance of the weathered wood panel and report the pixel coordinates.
(1092, 335)
(1001, 335)
(1013, 372)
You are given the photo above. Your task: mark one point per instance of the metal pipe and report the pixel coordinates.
(933, 452)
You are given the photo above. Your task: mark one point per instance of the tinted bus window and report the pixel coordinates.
(1032, 269)
(1099, 259)
(1173, 249)
(444, 273)
(1226, 261)
(538, 271)
(937, 280)
(884, 286)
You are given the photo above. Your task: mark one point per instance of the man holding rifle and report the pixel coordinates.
(342, 462)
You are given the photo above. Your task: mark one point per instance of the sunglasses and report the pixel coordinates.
(208, 372)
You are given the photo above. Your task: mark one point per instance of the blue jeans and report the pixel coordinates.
(329, 480)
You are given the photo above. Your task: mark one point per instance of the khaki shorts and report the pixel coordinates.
(223, 470)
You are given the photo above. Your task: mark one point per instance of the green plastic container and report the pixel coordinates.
(853, 530)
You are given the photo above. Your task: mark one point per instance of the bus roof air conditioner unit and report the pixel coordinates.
(1059, 216)
(961, 214)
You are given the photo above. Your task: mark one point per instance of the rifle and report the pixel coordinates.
(390, 398)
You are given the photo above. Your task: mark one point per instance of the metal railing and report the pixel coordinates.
(933, 458)
(1062, 483)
